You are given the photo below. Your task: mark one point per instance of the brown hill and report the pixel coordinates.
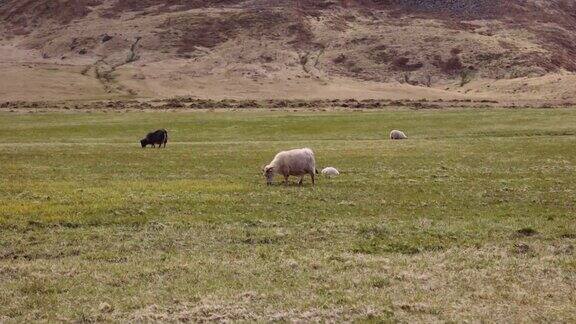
(93, 49)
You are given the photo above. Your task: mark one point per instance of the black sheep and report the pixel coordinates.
(157, 137)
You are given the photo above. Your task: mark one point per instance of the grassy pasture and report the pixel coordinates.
(472, 218)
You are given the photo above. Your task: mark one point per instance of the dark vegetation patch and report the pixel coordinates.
(377, 239)
(451, 66)
(301, 35)
(341, 58)
(373, 231)
(562, 47)
(375, 246)
(165, 5)
(489, 9)
(310, 7)
(195, 103)
(36, 286)
(35, 224)
(258, 236)
(382, 54)
(38, 254)
(526, 231)
(199, 30)
(523, 249)
(489, 57)
(25, 15)
(403, 64)
(106, 38)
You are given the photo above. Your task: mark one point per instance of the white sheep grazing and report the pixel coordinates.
(330, 171)
(298, 162)
(397, 135)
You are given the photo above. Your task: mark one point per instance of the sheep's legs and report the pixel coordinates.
(301, 180)
(286, 180)
(313, 178)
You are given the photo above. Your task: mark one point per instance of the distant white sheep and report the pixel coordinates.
(330, 172)
(298, 162)
(397, 135)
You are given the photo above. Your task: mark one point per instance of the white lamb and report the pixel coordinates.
(298, 162)
(330, 172)
(397, 135)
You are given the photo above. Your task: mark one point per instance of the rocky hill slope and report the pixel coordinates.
(93, 49)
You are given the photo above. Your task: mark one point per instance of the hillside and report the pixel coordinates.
(98, 49)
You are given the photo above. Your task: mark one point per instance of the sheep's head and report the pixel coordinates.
(269, 174)
(143, 142)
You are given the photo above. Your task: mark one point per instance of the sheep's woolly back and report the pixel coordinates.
(330, 171)
(297, 161)
(307, 150)
(397, 135)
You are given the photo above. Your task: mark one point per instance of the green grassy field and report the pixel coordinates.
(472, 218)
